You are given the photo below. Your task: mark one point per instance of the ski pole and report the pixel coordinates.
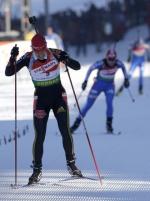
(87, 136)
(80, 95)
(131, 96)
(15, 131)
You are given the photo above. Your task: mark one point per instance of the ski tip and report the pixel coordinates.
(15, 186)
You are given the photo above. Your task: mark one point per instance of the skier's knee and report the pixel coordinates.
(40, 114)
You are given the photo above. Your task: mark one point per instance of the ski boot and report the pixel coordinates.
(73, 170)
(140, 89)
(36, 176)
(109, 125)
(75, 125)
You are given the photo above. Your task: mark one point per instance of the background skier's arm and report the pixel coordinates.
(96, 65)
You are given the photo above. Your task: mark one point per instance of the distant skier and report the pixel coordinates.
(54, 37)
(137, 56)
(104, 82)
(5, 140)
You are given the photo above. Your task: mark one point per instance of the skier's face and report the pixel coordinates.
(111, 61)
(41, 54)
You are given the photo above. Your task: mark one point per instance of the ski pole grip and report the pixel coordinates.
(32, 20)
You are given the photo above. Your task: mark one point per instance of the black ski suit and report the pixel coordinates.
(49, 94)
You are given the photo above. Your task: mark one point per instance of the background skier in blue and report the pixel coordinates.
(104, 82)
(137, 56)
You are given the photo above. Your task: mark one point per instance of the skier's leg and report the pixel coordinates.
(62, 115)
(40, 117)
(93, 94)
(40, 123)
(109, 93)
(141, 69)
(132, 69)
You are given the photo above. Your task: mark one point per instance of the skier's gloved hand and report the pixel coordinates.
(14, 51)
(126, 83)
(129, 56)
(128, 59)
(64, 56)
(84, 84)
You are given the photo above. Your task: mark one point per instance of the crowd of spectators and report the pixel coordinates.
(99, 24)
(96, 24)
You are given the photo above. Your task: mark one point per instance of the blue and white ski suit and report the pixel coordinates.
(104, 82)
(137, 56)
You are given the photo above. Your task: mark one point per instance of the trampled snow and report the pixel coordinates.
(123, 160)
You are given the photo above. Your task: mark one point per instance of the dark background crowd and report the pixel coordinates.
(95, 25)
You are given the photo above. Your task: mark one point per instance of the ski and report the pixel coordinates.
(76, 177)
(71, 179)
(28, 185)
(112, 133)
(57, 183)
(38, 183)
(104, 133)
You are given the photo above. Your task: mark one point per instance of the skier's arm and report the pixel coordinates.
(126, 79)
(148, 53)
(14, 65)
(75, 65)
(148, 56)
(63, 57)
(95, 66)
(121, 65)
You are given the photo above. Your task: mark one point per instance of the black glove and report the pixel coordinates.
(129, 56)
(126, 83)
(84, 84)
(64, 56)
(128, 59)
(14, 51)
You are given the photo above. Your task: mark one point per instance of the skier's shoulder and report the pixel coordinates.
(99, 63)
(119, 63)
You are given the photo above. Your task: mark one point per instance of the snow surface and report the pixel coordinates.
(123, 160)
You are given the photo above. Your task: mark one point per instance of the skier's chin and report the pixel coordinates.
(41, 59)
